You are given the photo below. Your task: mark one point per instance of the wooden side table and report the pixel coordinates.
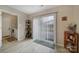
(71, 41)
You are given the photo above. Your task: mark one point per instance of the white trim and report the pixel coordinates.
(0, 29)
(59, 44)
(2, 10)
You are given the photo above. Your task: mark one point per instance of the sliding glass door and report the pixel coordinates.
(44, 28)
(48, 28)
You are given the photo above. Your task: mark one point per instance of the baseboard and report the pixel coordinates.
(0, 44)
(58, 44)
(6, 36)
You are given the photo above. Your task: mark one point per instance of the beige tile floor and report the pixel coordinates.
(28, 46)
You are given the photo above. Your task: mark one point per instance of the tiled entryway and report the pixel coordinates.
(28, 46)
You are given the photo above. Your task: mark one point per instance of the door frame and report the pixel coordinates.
(0, 29)
(1, 23)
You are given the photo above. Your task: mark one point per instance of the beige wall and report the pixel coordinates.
(14, 22)
(76, 16)
(61, 25)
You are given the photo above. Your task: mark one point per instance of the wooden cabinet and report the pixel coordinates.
(71, 41)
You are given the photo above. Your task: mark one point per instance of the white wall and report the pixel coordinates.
(21, 20)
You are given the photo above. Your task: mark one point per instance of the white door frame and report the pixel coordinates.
(0, 29)
(55, 29)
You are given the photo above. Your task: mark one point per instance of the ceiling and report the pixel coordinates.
(30, 9)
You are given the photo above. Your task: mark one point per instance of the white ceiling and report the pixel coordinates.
(30, 9)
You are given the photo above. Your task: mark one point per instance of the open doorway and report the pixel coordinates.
(9, 28)
(44, 30)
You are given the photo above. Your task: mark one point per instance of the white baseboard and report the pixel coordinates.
(58, 44)
(0, 44)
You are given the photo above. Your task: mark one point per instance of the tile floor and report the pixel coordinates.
(28, 46)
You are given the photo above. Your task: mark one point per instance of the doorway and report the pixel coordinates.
(9, 28)
(44, 30)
